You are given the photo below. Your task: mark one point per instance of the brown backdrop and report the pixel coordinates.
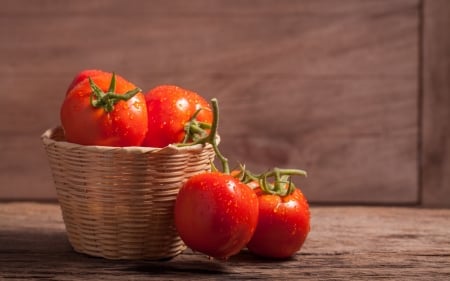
(355, 93)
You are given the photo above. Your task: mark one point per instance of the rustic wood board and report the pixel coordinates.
(436, 105)
(306, 84)
(357, 243)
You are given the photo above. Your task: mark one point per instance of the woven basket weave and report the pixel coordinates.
(117, 203)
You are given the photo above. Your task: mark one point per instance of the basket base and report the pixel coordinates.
(165, 257)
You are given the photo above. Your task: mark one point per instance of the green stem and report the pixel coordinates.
(195, 129)
(282, 184)
(204, 125)
(249, 176)
(212, 137)
(289, 172)
(107, 100)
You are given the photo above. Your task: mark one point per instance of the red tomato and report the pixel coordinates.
(216, 214)
(169, 109)
(83, 75)
(118, 121)
(283, 225)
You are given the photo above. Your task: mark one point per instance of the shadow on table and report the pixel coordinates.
(48, 254)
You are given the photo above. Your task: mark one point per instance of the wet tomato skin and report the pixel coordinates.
(216, 214)
(169, 109)
(125, 125)
(283, 225)
(84, 75)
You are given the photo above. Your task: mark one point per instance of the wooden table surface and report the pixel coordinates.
(346, 243)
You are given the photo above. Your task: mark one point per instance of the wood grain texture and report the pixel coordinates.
(357, 243)
(305, 84)
(436, 105)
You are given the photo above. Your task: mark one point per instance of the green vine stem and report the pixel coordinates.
(210, 138)
(282, 184)
(194, 129)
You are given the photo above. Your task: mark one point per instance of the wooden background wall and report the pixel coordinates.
(354, 93)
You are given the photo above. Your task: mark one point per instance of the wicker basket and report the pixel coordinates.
(117, 203)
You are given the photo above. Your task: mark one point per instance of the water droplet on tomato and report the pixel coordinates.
(182, 104)
(137, 105)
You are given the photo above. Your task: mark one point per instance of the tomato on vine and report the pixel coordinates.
(284, 216)
(215, 213)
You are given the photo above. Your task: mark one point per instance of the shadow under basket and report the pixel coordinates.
(117, 202)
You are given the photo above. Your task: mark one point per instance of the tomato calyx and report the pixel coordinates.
(195, 130)
(281, 184)
(198, 128)
(100, 99)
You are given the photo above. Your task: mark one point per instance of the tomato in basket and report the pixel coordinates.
(170, 109)
(84, 75)
(106, 110)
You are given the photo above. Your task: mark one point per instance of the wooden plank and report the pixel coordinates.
(304, 64)
(435, 164)
(361, 150)
(213, 44)
(196, 8)
(360, 243)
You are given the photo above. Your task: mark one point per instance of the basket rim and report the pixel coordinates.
(48, 139)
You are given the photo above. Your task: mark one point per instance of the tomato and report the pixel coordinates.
(110, 111)
(283, 224)
(84, 75)
(169, 109)
(216, 214)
